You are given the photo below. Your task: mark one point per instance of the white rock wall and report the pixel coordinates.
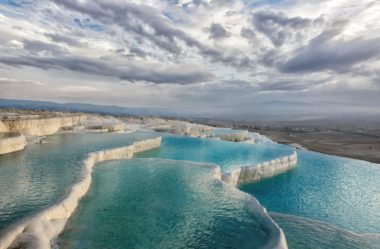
(3, 128)
(260, 171)
(107, 127)
(40, 126)
(12, 144)
(233, 136)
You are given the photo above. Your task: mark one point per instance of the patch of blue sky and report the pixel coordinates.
(259, 3)
(174, 18)
(15, 9)
(15, 3)
(88, 24)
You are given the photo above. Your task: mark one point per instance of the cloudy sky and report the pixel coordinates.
(215, 55)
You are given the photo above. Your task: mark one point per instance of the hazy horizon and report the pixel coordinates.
(294, 59)
(267, 112)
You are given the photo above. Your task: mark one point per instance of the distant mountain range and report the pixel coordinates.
(75, 107)
(270, 110)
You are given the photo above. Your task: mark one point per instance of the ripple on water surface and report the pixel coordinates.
(226, 154)
(150, 203)
(42, 173)
(308, 234)
(337, 190)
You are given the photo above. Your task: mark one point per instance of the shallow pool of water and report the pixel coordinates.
(42, 173)
(304, 233)
(226, 154)
(178, 205)
(340, 191)
(154, 203)
(221, 131)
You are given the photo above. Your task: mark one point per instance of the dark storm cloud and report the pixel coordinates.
(269, 58)
(188, 4)
(237, 61)
(127, 72)
(217, 31)
(222, 2)
(134, 51)
(247, 33)
(277, 26)
(134, 18)
(324, 53)
(289, 85)
(65, 39)
(35, 47)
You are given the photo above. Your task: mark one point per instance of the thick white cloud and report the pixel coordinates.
(205, 55)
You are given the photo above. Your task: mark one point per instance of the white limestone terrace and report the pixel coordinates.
(11, 142)
(254, 173)
(261, 139)
(48, 123)
(239, 175)
(228, 134)
(37, 231)
(178, 127)
(18, 129)
(39, 125)
(186, 128)
(104, 123)
(31, 128)
(118, 127)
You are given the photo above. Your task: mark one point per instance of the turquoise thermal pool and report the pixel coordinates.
(42, 174)
(220, 131)
(164, 198)
(341, 191)
(150, 203)
(304, 233)
(339, 199)
(226, 154)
